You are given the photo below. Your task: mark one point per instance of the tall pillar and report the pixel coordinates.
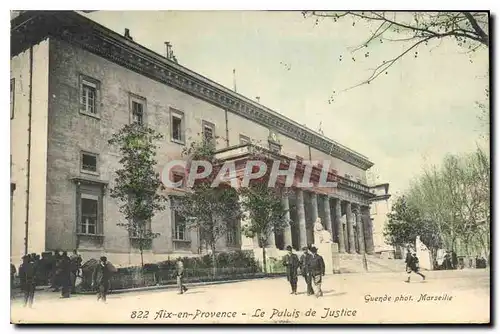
(328, 217)
(246, 242)
(368, 230)
(359, 226)
(314, 215)
(287, 233)
(350, 229)
(338, 226)
(301, 215)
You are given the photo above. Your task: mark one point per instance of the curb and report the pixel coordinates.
(173, 286)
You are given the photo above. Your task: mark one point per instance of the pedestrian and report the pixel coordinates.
(292, 264)
(101, 277)
(56, 271)
(454, 259)
(408, 258)
(304, 270)
(27, 277)
(317, 270)
(76, 264)
(65, 275)
(413, 266)
(13, 272)
(180, 276)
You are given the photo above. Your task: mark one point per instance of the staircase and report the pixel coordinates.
(353, 263)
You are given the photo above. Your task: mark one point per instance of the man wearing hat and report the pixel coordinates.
(292, 263)
(317, 270)
(412, 265)
(27, 277)
(101, 278)
(304, 269)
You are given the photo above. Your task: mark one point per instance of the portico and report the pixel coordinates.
(343, 210)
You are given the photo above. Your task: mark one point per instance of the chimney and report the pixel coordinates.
(258, 99)
(127, 34)
(168, 50)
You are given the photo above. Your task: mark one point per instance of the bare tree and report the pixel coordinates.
(469, 29)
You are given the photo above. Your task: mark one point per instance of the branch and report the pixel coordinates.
(386, 65)
(479, 31)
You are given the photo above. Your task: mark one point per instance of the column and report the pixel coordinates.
(328, 219)
(246, 242)
(287, 233)
(271, 240)
(359, 225)
(338, 226)
(314, 216)
(368, 230)
(302, 218)
(350, 229)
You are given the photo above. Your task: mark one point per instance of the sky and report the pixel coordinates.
(409, 118)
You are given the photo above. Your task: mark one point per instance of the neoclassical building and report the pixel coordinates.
(74, 83)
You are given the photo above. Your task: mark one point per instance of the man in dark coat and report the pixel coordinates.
(76, 264)
(292, 264)
(13, 272)
(408, 258)
(65, 275)
(304, 269)
(180, 276)
(454, 260)
(317, 270)
(101, 278)
(413, 266)
(27, 277)
(56, 263)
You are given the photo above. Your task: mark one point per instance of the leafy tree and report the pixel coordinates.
(209, 210)
(411, 30)
(266, 212)
(137, 185)
(406, 222)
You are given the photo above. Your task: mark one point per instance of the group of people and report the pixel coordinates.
(311, 266)
(61, 271)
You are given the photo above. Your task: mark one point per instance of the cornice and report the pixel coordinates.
(88, 35)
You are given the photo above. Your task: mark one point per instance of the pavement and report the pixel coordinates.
(461, 296)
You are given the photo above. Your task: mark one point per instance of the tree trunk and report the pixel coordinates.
(433, 254)
(143, 279)
(214, 261)
(264, 262)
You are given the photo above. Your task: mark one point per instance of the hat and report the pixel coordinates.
(305, 248)
(104, 259)
(314, 249)
(288, 248)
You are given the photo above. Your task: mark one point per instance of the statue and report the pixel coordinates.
(321, 236)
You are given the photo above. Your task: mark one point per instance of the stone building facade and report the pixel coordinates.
(74, 83)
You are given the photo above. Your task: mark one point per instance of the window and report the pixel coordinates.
(137, 112)
(177, 126)
(89, 214)
(244, 139)
(209, 132)
(89, 162)
(142, 227)
(137, 109)
(12, 95)
(231, 235)
(89, 90)
(180, 228)
(273, 147)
